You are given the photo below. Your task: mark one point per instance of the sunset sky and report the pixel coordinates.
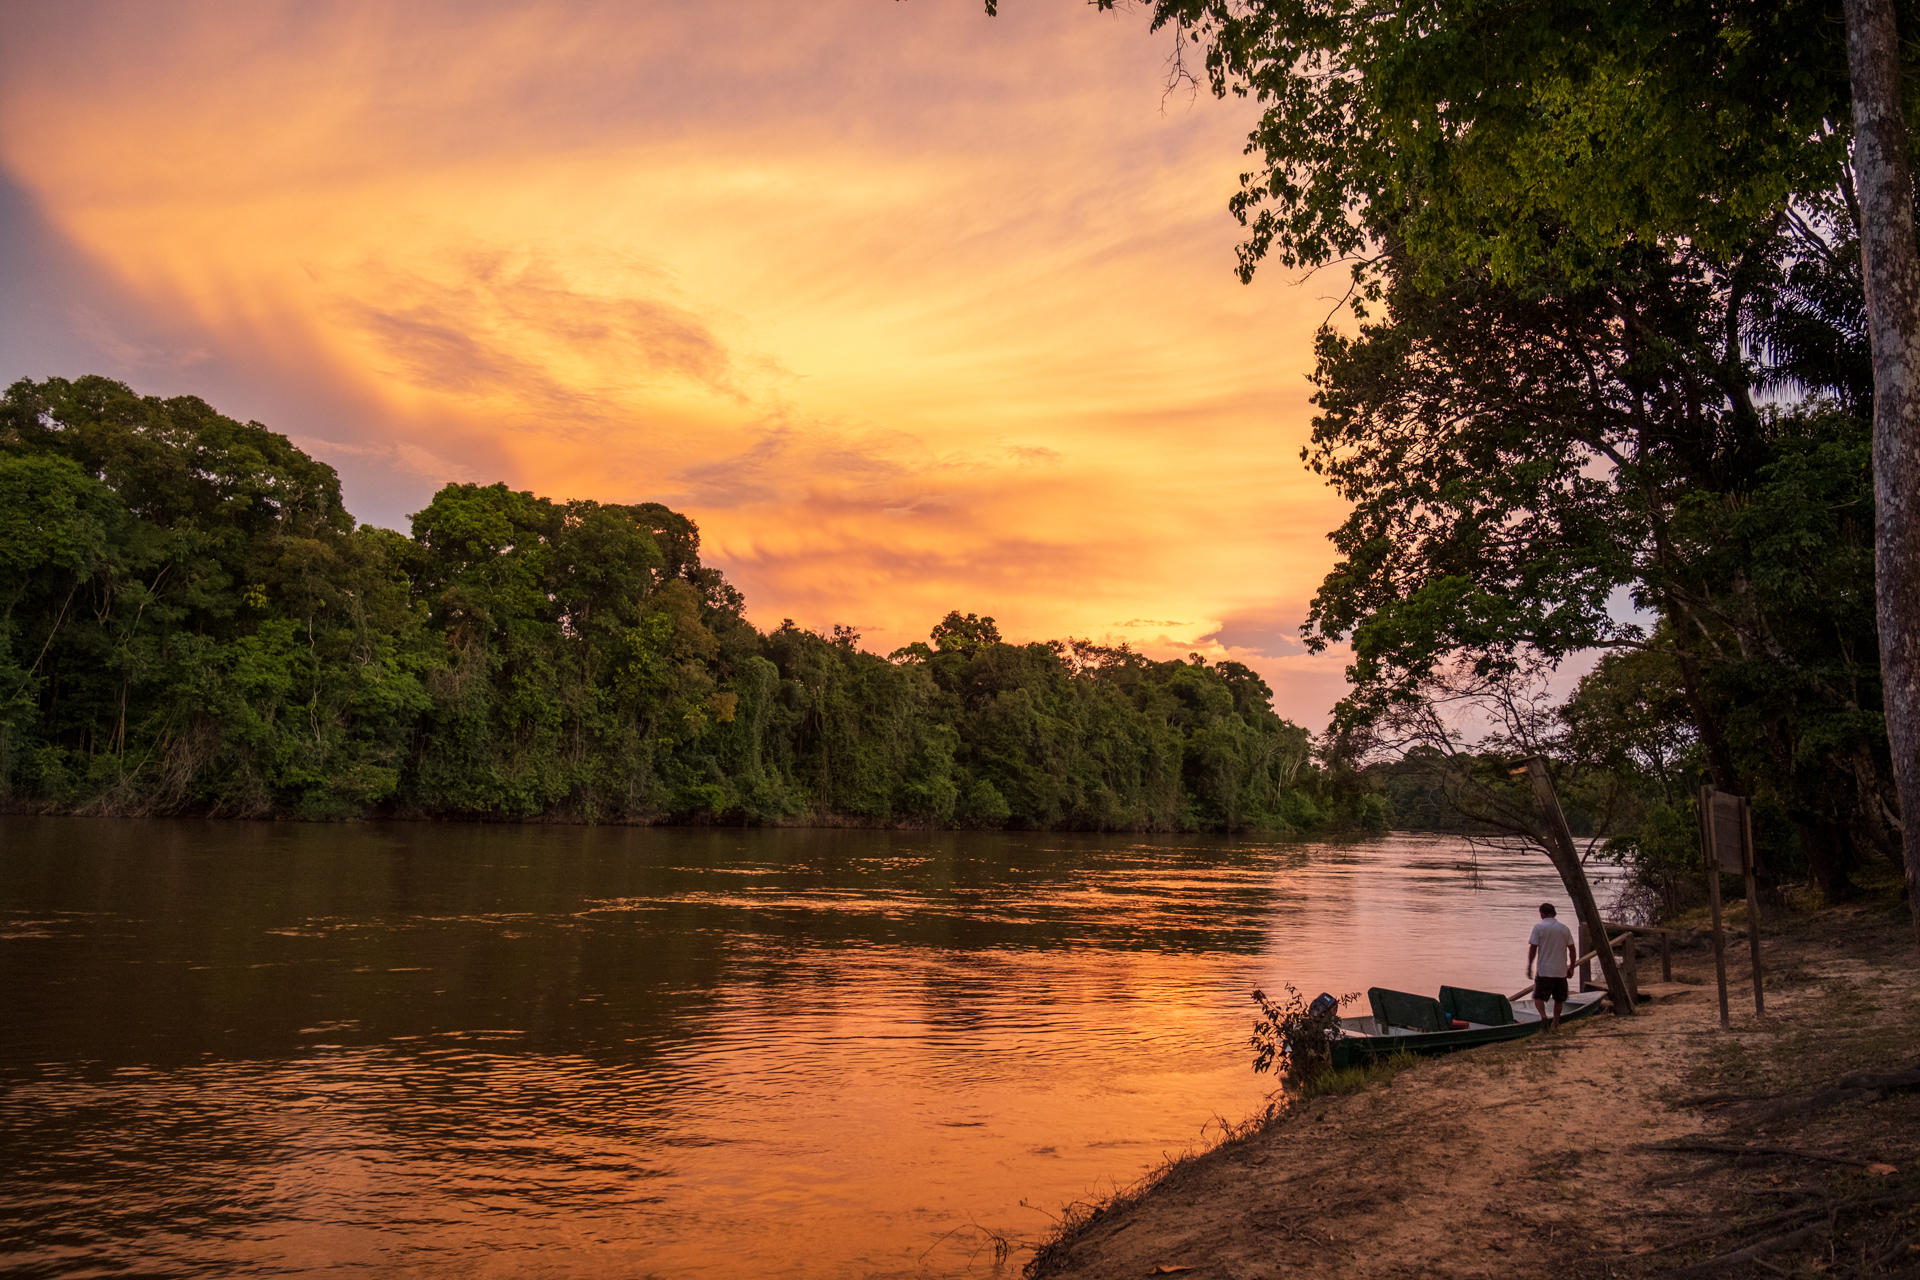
(910, 308)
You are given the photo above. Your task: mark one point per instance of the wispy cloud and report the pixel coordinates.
(131, 352)
(912, 309)
(403, 455)
(488, 322)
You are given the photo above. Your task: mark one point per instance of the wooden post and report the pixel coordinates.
(1753, 905)
(1666, 956)
(1586, 966)
(1712, 846)
(1566, 860)
(1633, 966)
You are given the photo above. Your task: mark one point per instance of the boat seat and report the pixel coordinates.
(1487, 1008)
(1403, 1009)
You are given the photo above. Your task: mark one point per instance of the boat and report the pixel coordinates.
(1461, 1018)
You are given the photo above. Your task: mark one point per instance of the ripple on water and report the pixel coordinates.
(238, 1049)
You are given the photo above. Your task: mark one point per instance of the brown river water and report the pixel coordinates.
(236, 1049)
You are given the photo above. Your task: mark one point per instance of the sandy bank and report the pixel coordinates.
(1541, 1157)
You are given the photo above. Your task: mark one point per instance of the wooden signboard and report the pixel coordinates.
(1728, 850)
(1726, 834)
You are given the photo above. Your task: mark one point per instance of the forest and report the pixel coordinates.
(192, 623)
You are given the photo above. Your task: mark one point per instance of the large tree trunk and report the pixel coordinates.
(1829, 854)
(1885, 182)
(1566, 860)
(1719, 755)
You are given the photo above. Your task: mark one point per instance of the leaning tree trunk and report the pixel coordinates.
(1884, 178)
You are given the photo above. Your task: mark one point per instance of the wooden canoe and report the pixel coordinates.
(1401, 1022)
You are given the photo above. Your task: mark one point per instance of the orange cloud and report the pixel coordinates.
(912, 309)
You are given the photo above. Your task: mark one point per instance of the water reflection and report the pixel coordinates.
(237, 1048)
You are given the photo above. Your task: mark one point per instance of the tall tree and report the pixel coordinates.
(1892, 269)
(1544, 137)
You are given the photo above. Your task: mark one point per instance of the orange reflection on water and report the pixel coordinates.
(441, 1050)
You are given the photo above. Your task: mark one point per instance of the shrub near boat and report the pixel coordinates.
(1303, 1041)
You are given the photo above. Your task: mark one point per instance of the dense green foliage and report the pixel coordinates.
(1518, 461)
(191, 622)
(1587, 240)
(1523, 135)
(1523, 460)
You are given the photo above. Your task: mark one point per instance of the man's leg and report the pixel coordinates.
(1540, 1008)
(1557, 1006)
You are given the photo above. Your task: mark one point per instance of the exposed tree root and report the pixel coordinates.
(1759, 1249)
(1858, 1086)
(1762, 1224)
(1736, 1149)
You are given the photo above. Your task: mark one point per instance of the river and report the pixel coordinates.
(458, 1050)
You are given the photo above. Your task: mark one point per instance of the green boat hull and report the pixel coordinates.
(1358, 1050)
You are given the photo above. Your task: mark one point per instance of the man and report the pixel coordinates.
(1552, 943)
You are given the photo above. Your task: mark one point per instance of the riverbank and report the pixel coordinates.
(1658, 1145)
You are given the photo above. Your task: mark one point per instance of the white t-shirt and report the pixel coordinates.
(1553, 939)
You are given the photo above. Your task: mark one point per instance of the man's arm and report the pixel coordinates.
(1573, 958)
(1533, 950)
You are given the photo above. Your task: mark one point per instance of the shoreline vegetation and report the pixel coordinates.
(1653, 1146)
(191, 623)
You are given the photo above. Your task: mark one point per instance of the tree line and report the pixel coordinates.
(191, 622)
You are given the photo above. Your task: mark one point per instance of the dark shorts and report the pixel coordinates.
(1550, 989)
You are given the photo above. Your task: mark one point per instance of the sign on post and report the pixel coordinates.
(1753, 907)
(1726, 823)
(1710, 841)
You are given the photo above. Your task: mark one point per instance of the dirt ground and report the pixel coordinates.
(1544, 1157)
